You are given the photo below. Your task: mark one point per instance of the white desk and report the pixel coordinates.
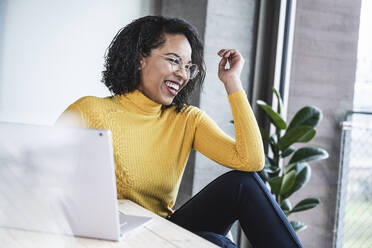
(159, 232)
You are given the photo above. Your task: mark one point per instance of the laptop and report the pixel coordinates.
(60, 180)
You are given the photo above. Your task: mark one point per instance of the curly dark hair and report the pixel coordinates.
(136, 40)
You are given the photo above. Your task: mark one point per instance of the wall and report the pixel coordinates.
(51, 53)
(230, 26)
(323, 74)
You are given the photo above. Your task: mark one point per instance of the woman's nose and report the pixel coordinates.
(182, 72)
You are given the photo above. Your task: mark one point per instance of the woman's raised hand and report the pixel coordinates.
(231, 76)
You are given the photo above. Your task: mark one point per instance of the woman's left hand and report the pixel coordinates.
(231, 76)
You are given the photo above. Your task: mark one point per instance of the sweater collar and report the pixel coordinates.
(140, 101)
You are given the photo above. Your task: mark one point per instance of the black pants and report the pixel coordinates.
(233, 196)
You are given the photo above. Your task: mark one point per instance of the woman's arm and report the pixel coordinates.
(246, 153)
(71, 117)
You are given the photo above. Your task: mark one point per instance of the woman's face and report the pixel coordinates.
(159, 81)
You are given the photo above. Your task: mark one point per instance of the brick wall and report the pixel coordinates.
(323, 74)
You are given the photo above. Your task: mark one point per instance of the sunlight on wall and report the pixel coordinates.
(363, 85)
(51, 53)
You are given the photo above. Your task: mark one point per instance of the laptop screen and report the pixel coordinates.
(59, 180)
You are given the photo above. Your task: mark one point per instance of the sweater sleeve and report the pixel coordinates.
(246, 152)
(71, 117)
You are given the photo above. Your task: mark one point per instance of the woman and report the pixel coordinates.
(152, 67)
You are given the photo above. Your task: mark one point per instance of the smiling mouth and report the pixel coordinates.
(173, 87)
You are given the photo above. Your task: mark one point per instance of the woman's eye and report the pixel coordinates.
(190, 67)
(174, 61)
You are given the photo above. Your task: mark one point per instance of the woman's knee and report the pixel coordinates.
(240, 177)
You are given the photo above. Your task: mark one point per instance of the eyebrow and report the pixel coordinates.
(176, 55)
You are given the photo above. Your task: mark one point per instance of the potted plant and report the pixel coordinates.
(286, 167)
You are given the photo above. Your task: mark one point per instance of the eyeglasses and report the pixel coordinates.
(177, 64)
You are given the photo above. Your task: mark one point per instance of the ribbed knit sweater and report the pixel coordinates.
(152, 145)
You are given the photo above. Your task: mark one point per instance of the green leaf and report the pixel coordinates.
(271, 167)
(275, 184)
(289, 167)
(274, 148)
(296, 134)
(286, 205)
(280, 102)
(308, 154)
(303, 173)
(288, 151)
(272, 170)
(274, 117)
(298, 226)
(306, 204)
(288, 182)
(268, 167)
(267, 162)
(307, 116)
(265, 136)
(268, 170)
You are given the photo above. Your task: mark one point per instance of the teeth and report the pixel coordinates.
(172, 85)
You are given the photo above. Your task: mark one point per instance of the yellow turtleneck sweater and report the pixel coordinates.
(151, 145)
